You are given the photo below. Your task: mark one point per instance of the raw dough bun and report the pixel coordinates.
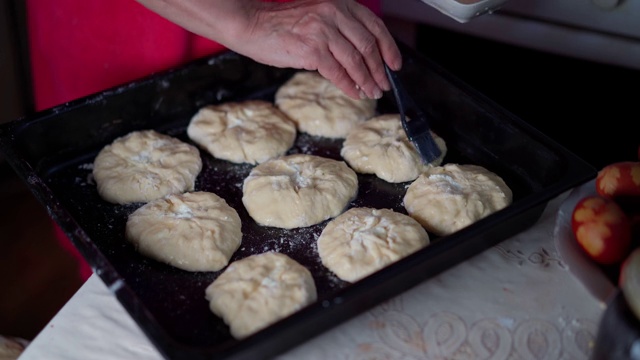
(252, 131)
(298, 190)
(259, 290)
(380, 146)
(362, 241)
(319, 108)
(445, 199)
(145, 165)
(194, 231)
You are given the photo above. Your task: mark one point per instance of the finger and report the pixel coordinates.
(366, 67)
(324, 61)
(334, 72)
(342, 63)
(386, 43)
(351, 59)
(359, 54)
(312, 50)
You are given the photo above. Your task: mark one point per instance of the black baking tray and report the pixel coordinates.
(53, 151)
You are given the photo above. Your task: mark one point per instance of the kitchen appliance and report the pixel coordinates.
(465, 10)
(602, 31)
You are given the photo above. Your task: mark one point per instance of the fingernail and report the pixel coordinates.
(362, 95)
(377, 94)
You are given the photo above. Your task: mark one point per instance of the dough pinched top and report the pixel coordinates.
(298, 190)
(445, 199)
(259, 290)
(380, 146)
(364, 240)
(251, 131)
(145, 165)
(194, 231)
(319, 108)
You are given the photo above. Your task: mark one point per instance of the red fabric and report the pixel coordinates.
(82, 47)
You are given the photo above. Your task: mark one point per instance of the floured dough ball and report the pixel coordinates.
(380, 146)
(145, 165)
(319, 108)
(445, 199)
(251, 131)
(298, 190)
(194, 231)
(362, 241)
(259, 290)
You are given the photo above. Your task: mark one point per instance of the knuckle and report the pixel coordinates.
(308, 24)
(376, 25)
(326, 7)
(353, 58)
(369, 46)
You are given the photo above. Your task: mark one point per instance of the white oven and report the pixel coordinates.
(604, 31)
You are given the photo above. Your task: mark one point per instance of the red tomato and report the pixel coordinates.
(620, 181)
(602, 229)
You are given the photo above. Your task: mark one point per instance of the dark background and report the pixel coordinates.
(590, 108)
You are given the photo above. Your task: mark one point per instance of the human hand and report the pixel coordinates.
(341, 39)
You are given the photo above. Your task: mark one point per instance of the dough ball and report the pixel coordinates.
(319, 108)
(252, 131)
(259, 290)
(445, 199)
(145, 165)
(362, 241)
(194, 231)
(380, 146)
(298, 190)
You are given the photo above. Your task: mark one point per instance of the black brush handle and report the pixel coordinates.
(397, 89)
(414, 121)
(407, 107)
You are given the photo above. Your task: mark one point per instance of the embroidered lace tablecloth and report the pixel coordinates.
(516, 300)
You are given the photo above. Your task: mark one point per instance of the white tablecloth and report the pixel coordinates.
(516, 300)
